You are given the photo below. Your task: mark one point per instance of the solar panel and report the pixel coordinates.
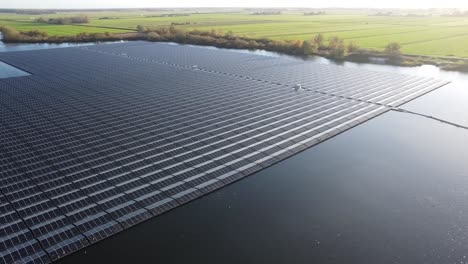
(93, 147)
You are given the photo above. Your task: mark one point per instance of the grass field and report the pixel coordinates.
(433, 36)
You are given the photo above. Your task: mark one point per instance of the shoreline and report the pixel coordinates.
(359, 56)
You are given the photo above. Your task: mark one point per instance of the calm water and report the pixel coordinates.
(392, 190)
(8, 47)
(8, 71)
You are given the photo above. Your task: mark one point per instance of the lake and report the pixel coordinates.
(392, 190)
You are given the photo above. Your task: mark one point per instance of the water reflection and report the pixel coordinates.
(424, 70)
(9, 47)
(8, 71)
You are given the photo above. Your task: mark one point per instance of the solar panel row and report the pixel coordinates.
(347, 82)
(101, 138)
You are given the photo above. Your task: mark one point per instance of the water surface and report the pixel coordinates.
(8, 71)
(392, 190)
(9, 47)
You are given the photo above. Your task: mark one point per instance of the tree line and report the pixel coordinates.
(37, 36)
(64, 20)
(267, 13)
(318, 13)
(333, 47)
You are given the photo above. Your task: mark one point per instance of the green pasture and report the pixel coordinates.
(428, 35)
(58, 30)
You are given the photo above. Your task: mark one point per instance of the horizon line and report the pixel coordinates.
(221, 7)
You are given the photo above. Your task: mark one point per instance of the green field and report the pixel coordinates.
(428, 35)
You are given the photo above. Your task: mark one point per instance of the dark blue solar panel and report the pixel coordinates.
(90, 148)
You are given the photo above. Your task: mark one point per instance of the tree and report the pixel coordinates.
(239, 43)
(64, 20)
(297, 45)
(229, 35)
(153, 36)
(352, 47)
(79, 20)
(309, 47)
(82, 36)
(35, 33)
(215, 33)
(141, 28)
(336, 47)
(9, 33)
(318, 40)
(41, 20)
(172, 29)
(252, 44)
(393, 49)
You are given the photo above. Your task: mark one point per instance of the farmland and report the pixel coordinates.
(418, 35)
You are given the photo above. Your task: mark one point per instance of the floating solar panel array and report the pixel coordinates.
(101, 138)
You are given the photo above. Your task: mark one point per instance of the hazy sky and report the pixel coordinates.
(238, 3)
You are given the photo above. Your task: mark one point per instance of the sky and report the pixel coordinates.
(70, 4)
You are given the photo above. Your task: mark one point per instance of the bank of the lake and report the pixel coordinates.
(9, 46)
(294, 48)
